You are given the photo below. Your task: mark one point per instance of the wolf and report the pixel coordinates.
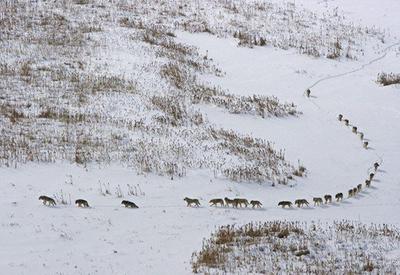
(328, 198)
(339, 196)
(256, 204)
(81, 203)
(371, 176)
(47, 200)
(215, 202)
(301, 202)
(228, 202)
(317, 201)
(285, 203)
(129, 204)
(239, 202)
(191, 202)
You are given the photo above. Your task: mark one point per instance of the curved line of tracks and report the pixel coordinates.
(385, 52)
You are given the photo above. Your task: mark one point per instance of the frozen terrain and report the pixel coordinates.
(160, 236)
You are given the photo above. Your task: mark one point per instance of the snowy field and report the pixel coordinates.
(160, 236)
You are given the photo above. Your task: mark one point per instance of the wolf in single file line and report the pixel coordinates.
(191, 202)
(47, 200)
(371, 176)
(129, 204)
(285, 203)
(255, 203)
(301, 202)
(229, 201)
(82, 203)
(317, 201)
(328, 198)
(215, 202)
(239, 202)
(339, 196)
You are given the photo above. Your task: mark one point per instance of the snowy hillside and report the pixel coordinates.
(155, 101)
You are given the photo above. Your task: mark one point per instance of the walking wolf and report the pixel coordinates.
(191, 202)
(317, 201)
(328, 198)
(239, 202)
(81, 203)
(339, 196)
(228, 202)
(301, 202)
(47, 200)
(256, 204)
(285, 203)
(129, 204)
(215, 202)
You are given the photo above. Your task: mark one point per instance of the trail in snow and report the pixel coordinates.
(385, 50)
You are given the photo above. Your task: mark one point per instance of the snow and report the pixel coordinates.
(160, 236)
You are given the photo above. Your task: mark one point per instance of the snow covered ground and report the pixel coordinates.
(160, 236)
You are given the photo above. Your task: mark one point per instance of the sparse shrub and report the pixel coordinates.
(118, 192)
(387, 79)
(302, 253)
(135, 190)
(225, 235)
(298, 248)
(335, 50)
(369, 266)
(179, 78)
(104, 189)
(284, 233)
(174, 110)
(62, 198)
(81, 2)
(26, 70)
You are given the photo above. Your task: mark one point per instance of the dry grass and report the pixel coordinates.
(386, 79)
(58, 105)
(299, 248)
(283, 25)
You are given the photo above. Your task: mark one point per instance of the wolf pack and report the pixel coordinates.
(82, 203)
(354, 130)
(352, 192)
(235, 203)
(242, 202)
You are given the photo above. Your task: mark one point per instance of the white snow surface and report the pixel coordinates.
(160, 236)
